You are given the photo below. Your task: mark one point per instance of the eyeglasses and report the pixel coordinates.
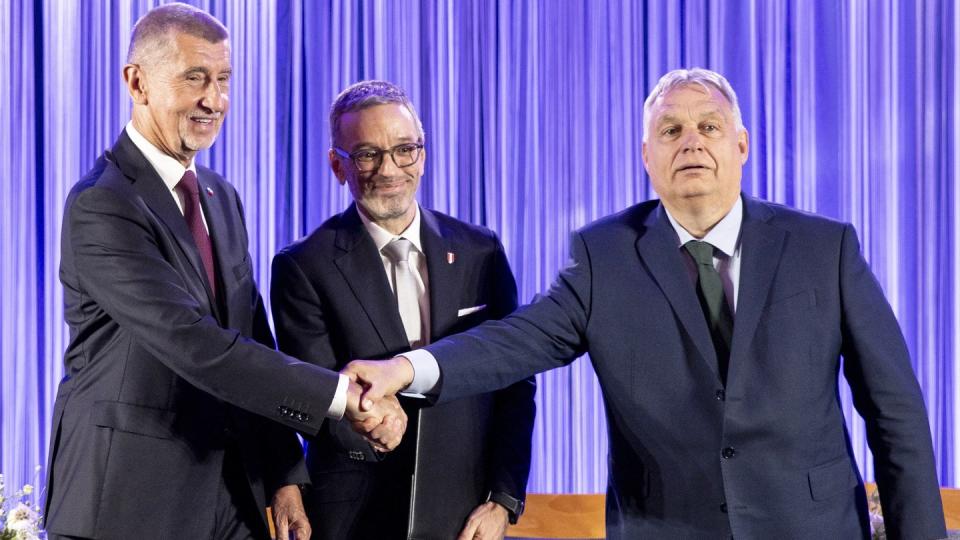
(369, 159)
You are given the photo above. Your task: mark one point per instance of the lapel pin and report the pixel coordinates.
(451, 257)
(210, 191)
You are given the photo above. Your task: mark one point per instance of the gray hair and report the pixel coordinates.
(154, 32)
(366, 94)
(685, 77)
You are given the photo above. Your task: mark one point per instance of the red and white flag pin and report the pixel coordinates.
(451, 257)
(210, 191)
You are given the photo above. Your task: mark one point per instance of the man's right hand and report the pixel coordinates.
(382, 422)
(379, 378)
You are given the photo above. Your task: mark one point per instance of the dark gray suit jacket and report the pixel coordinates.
(767, 456)
(160, 379)
(332, 303)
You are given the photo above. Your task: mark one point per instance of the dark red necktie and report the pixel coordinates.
(189, 192)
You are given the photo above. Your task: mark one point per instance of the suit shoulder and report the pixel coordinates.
(103, 178)
(628, 219)
(452, 226)
(792, 219)
(320, 240)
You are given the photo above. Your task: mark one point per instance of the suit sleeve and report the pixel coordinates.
(121, 266)
(885, 392)
(546, 334)
(303, 331)
(514, 408)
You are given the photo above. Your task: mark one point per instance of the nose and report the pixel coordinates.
(387, 166)
(215, 97)
(692, 141)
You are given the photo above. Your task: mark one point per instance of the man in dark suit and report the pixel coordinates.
(342, 292)
(716, 324)
(164, 424)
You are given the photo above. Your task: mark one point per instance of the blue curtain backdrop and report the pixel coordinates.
(533, 112)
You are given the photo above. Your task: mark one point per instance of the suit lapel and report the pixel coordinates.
(761, 245)
(155, 194)
(362, 269)
(212, 199)
(443, 274)
(658, 249)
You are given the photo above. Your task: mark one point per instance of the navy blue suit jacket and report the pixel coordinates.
(767, 456)
(160, 378)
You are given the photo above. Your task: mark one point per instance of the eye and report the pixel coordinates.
(670, 130)
(223, 79)
(405, 149)
(365, 155)
(710, 128)
(195, 77)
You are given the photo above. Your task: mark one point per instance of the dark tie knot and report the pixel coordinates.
(398, 250)
(702, 252)
(188, 182)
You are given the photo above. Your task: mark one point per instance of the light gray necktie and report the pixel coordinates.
(406, 288)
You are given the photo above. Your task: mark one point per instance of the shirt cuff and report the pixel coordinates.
(426, 373)
(339, 404)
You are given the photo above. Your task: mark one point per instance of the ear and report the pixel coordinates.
(743, 143)
(643, 154)
(337, 166)
(136, 85)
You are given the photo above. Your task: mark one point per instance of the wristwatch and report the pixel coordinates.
(514, 506)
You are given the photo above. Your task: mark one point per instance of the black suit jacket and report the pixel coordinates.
(331, 303)
(159, 378)
(767, 456)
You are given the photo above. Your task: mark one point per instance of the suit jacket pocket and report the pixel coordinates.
(131, 418)
(831, 478)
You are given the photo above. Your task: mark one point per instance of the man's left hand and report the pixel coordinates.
(289, 517)
(487, 522)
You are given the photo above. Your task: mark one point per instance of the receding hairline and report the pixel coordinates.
(156, 30)
(366, 95)
(705, 79)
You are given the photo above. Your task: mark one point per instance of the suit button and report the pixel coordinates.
(283, 410)
(728, 452)
(723, 507)
(305, 417)
(721, 395)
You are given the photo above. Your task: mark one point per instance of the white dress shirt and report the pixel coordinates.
(169, 169)
(725, 236)
(418, 263)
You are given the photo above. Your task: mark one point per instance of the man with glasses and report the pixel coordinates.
(381, 278)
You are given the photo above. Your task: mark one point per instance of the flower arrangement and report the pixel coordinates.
(877, 530)
(20, 520)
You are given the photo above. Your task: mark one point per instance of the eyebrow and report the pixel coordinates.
(402, 140)
(712, 113)
(205, 71)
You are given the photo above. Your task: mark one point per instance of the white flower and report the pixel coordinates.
(22, 518)
(27, 489)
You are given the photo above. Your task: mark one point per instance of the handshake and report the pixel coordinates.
(372, 406)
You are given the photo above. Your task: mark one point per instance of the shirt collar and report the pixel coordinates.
(382, 237)
(723, 236)
(169, 169)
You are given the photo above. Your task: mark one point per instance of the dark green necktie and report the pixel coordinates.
(715, 308)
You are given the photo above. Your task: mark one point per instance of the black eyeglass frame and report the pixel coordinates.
(378, 160)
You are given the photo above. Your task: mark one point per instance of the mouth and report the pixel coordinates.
(204, 120)
(692, 167)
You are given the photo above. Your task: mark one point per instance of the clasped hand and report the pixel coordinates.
(382, 422)
(372, 406)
